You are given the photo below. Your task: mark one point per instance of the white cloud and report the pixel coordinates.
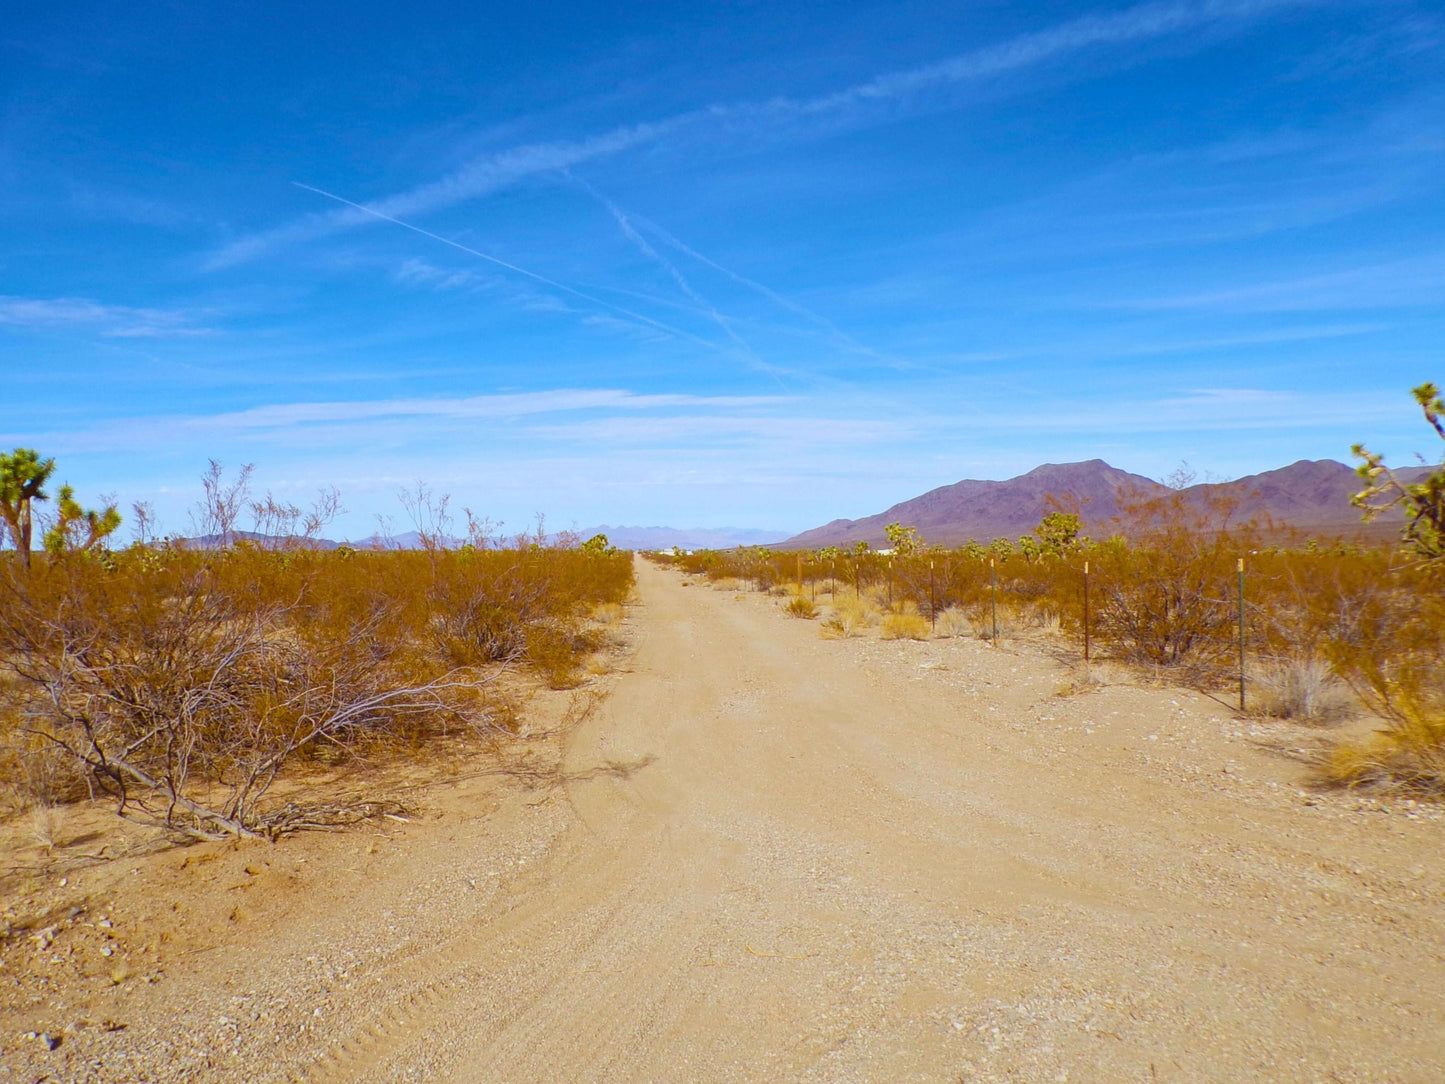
(479, 406)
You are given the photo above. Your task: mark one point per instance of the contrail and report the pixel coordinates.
(771, 294)
(553, 283)
(624, 223)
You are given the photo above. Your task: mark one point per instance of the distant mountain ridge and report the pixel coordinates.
(264, 541)
(627, 538)
(1310, 495)
(664, 538)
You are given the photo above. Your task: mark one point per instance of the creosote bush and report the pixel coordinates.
(181, 682)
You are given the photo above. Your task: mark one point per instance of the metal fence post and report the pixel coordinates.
(993, 598)
(932, 600)
(1241, 635)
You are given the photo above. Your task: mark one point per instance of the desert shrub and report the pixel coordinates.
(1407, 755)
(983, 619)
(1390, 650)
(1165, 596)
(1302, 689)
(954, 622)
(848, 618)
(181, 682)
(801, 606)
(905, 626)
(555, 649)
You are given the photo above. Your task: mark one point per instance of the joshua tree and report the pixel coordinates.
(904, 541)
(1057, 533)
(78, 528)
(23, 475)
(1423, 502)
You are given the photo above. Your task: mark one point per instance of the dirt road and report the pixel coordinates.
(834, 867)
(810, 860)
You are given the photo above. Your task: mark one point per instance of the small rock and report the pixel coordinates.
(50, 1041)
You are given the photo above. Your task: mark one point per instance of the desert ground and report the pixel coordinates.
(748, 853)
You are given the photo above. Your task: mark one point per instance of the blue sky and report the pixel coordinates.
(756, 264)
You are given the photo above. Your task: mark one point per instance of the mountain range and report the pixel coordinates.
(1310, 495)
(695, 538)
(626, 538)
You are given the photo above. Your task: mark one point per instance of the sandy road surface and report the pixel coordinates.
(890, 862)
(779, 858)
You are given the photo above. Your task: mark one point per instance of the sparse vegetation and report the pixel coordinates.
(181, 682)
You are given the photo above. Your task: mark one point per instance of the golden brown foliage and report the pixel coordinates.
(180, 682)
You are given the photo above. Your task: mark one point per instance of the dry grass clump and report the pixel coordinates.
(801, 606)
(849, 617)
(46, 822)
(1044, 616)
(905, 626)
(983, 618)
(905, 622)
(607, 614)
(953, 622)
(1408, 755)
(1087, 677)
(1304, 690)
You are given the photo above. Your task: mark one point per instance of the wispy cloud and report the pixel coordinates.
(897, 90)
(710, 430)
(1404, 283)
(413, 272)
(365, 423)
(1231, 342)
(114, 321)
(479, 406)
(1202, 410)
(514, 268)
(478, 178)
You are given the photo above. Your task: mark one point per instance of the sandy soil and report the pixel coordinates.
(768, 856)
